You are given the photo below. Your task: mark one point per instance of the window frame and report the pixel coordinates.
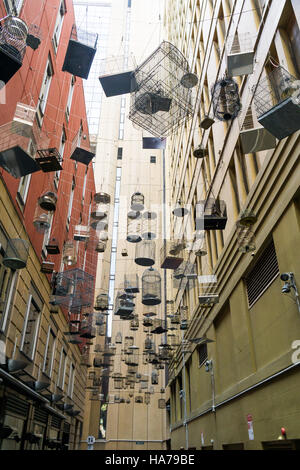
(34, 300)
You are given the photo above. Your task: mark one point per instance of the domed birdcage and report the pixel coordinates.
(102, 301)
(41, 220)
(124, 305)
(13, 36)
(134, 229)
(118, 339)
(16, 254)
(159, 326)
(100, 225)
(151, 287)
(100, 247)
(145, 253)
(69, 253)
(245, 238)
(148, 344)
(247, 218)
(226, 99)
(137, 201)
(134, 323)
(149, 225)
(48, 201)
(133, 214)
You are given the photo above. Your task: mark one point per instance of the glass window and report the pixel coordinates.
(62, 369)
(13, 6)
(31, 324)
(70, 97)
(71, 380)
(49, 352)
(59, 24)
(45, 91)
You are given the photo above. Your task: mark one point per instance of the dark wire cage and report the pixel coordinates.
(145, 253)
(137, 201)
(226, 99)
(211, 215)
(80, 52)
(131, 283)
(277, 102)
(149, 225)
(151, 287)
(13, 36)
(16, 253)
(101, 302)
(161, 99)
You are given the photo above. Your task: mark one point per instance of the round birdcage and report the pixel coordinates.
(151, 287)
(101, 246)
(226, 99)
(101, 301)
(101, 198)
(180, 210)
(137, 201)
(154, 377)
(145, 253)
(247, 218)
(148, 344)
(48, 201)
(134, 229)
(150, 310)
(134, 323)
(99, 211)
(13, 35)
(41, 220)
(16, 254)
(133, 214)
(118, 339)
(100, 225)
(149, 225)
(131, 283)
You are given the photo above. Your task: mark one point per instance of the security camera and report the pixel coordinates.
(207, 366)
(285, 276)
(288, 279)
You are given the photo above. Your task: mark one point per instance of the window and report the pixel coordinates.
(71, 380)
(62, 369)
(44, 91)
(7, 285)
(262, 275)
(31, 323)
(120, 153)
(152, 159)
(49, 352)
(84, 184)
(202, 354)
(70, 97)
(58, 25)
(70, 203)
(61, 152)
(25, 180)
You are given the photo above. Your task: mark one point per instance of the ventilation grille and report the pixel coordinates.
(262, 275)
(17, 406)
(40, 415)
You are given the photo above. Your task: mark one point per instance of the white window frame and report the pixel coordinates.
(50, 331)
(70, 97)
(61, 151)
(71, 380)
(71, 203)
(25, 327)
(59, 25)
(59, 369)
(44, 92)
(12, 8)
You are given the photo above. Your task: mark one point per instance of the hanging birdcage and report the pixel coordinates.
(118, 339)
(81, 233)
(23, 119)
(80, 150)
(161, 404)
(277, 103)
(211, 215)
(208, 300)
(34, 36)
(200, 152)
(134, 229)
(148, 344)
(149, 225)
(99, 210)
(180, 210)
(109, 349)
(123, 305)
(100, 247)
(100, 319)
(255, 138)
(132, 356)
(134, 323)
(53, 247)
(131, 283)
(100, 225)
(159, 326)
(164, 352)
(69, 253)
(13, 35)
(171, 254)
(225, 99)
(102, 330)
(133, 214)
(199, 246)
(16, 254)
(240, 55)
(102, 198)
(17, 152)
(41, 220)
(247, 218)
(151, 287)
(145, 253)
(102, 301)
(124, 252)
(147, 322)
(245, 238)
(48, 201)
(154, 377)
(118, 380)
(173, 340)
(80, 53)
(49, 160)
(137, 201)
(128, 341)
(184, 324)
(150, 310)
(47, 267)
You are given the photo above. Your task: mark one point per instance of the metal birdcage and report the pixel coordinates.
(118, 339)
(80, 53)
(134, 229)
(132, 356)
(240, 55)
(81, 233)
(118, 380)
(254, 137)
(123, 305)
(134, 323)
(247, 218)
(49, 159)
(151, 287)
(102, 301)
(79, 289)
(149, 225)
(41, 220)
(226, 99)
(48, 200)
(171, 254)
(164, 353)
(69, 253)
(16, 253)
(199, 246)
(80, 150)
(162, 97)
(100, 247)
(23, 119)
(13, 36)
(277, 103)
(211, 215)
(162, 403)
(245, 238)
(137, 201)
(159, 326)
(131, 283)
(100, 225)
(145, 253)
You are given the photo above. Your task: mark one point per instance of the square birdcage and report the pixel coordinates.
(162, 98)
(117, 75)
(17, 152)
(79, 291)
(23, 119)
(80, 52)
(211, 215)
(49, 159)
(80, 151)
(277, 103)
(240, 54)
(172, 254)
(254, 137)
